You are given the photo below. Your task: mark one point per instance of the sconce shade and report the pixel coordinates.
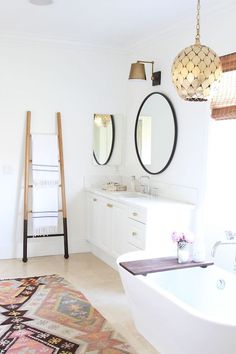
(137, 71)
(194, 71)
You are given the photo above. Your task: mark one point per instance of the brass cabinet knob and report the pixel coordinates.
(94, 199)
(109, 205)
(135, 214)
(134, 233)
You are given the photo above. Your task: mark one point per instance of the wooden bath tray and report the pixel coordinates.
(153, 265)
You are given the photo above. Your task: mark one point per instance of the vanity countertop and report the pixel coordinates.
(139, 199)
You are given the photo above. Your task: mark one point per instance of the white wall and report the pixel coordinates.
(78, 82)
(185, 178)
(45, 78)
(220, 202)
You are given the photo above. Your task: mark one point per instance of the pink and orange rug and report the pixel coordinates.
(47, 315)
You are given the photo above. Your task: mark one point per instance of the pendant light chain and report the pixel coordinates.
(198, 24)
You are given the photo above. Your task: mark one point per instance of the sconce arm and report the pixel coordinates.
(148, 62)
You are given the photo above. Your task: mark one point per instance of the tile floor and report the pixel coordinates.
(96, 280)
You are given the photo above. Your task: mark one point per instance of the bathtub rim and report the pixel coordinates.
(167, 294)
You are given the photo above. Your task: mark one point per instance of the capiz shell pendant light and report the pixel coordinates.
(195, 69)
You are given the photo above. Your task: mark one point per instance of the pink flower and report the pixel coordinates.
(186, 236)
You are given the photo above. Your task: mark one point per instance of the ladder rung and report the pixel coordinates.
(31, 185)
(51, 235)
(55, 134)
(31, 160)
(59, 211)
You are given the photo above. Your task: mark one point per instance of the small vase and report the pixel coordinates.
(183, 252)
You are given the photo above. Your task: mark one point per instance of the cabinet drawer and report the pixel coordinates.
(137, 214)
(136, 234)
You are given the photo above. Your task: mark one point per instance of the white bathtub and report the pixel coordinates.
(183, 311)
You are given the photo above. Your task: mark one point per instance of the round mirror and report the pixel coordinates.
(155, 133)
(103, 138)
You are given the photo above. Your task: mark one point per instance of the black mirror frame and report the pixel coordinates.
(175, 136)
(112, 144)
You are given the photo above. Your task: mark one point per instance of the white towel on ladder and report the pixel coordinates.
(45, 180)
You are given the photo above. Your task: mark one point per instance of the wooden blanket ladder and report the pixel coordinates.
(27, 186)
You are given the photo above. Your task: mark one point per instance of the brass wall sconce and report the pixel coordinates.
(137, 72)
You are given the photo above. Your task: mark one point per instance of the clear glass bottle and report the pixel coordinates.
(133, 184)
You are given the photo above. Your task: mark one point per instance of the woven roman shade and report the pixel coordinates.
(228, 62)
(223, 101)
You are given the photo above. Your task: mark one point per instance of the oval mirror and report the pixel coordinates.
(155, 133)
(103, 138)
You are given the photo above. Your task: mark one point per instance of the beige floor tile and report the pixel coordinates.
(96, 280)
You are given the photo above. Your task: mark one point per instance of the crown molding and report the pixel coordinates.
(26, 38)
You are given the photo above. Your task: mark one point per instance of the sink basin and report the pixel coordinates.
(131, 195)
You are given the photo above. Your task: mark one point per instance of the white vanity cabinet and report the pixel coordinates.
(116, 225)
(106, 226)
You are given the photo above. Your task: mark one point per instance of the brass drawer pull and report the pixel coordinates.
(134, 233)
(94, 199)
(135, 214)
(109, 205)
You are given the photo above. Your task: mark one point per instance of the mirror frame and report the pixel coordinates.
(112, 143)
(175, 133)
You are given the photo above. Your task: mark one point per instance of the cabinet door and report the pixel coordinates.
(89, 206)
(119, 231)
(106, 218)
(93, 219)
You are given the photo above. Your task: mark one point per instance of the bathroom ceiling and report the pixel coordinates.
(111, 23)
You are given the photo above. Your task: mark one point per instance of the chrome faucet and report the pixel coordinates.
(230, 235)
(221, 243)
(145, 186)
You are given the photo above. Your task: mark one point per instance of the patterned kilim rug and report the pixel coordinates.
(47, 315)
